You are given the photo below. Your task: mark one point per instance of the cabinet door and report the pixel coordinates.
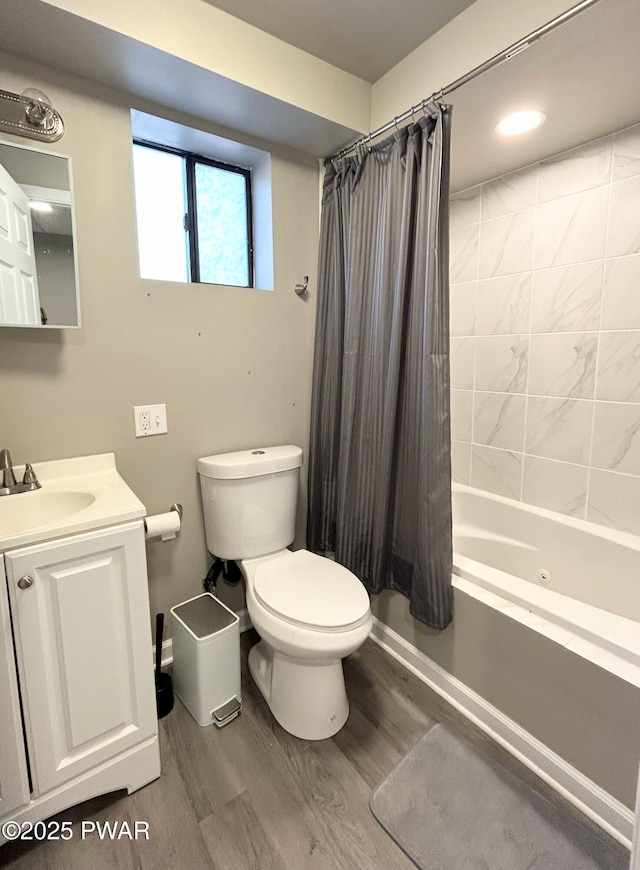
(83, 643)
(14, 784)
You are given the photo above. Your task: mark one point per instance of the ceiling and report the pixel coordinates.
(56, 222)
(46, 34)
(585, 76)
(362, 37)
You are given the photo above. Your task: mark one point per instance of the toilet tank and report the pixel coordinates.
(249, 500)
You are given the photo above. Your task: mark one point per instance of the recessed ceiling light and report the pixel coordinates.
(520, 122)
(36, 205)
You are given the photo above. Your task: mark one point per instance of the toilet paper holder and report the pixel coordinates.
(177, 507)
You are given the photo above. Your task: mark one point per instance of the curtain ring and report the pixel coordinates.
(395, 124)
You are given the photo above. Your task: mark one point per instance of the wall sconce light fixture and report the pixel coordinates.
(30, 114)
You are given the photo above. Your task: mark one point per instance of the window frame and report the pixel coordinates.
(191, 215)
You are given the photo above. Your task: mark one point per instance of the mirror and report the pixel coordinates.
(38, 270)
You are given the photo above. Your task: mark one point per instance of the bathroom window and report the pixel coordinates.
(194, 217)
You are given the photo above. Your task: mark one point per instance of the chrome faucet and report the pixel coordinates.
(8, 484)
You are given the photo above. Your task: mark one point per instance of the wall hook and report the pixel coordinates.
(301, 289)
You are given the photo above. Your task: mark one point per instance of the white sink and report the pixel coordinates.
(32, 510)
(76, 495)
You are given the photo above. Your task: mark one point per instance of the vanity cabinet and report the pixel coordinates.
(76, 666)
(14, 782)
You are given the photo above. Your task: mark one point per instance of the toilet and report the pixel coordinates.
(309, 611)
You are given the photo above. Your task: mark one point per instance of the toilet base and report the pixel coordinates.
(307, 697)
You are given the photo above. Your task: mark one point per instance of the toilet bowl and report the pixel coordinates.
(310, 612)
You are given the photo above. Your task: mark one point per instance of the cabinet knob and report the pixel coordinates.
(25, 582)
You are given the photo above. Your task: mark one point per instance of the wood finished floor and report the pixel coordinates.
(252, 796)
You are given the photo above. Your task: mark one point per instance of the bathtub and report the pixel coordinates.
(575, 582)
(543, 652)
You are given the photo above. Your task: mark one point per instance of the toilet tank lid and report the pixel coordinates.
(250, 463)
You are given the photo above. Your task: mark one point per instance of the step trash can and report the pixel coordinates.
(206, 659)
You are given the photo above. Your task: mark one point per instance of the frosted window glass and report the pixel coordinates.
(221, 198)
(160, 207)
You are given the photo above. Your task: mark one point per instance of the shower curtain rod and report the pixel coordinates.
(437, 97)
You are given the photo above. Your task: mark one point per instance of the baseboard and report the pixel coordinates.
(167, 647)
(635, 849)
(245, 620)
(167, 653)
(605, 810)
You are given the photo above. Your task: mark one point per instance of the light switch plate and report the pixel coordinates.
(150, 420)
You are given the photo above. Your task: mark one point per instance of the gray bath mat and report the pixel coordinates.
(451, 808)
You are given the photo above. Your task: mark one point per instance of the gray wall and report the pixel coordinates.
(585, 714)
(232, 365)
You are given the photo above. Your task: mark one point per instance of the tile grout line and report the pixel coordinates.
(599, 343)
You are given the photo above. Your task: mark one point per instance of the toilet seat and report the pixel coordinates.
(311, 592)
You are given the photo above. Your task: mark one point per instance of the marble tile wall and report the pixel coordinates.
(545, 333)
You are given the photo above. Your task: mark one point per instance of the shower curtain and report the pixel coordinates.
(379, 463)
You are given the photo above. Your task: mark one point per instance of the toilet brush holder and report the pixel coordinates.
(164, 683)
